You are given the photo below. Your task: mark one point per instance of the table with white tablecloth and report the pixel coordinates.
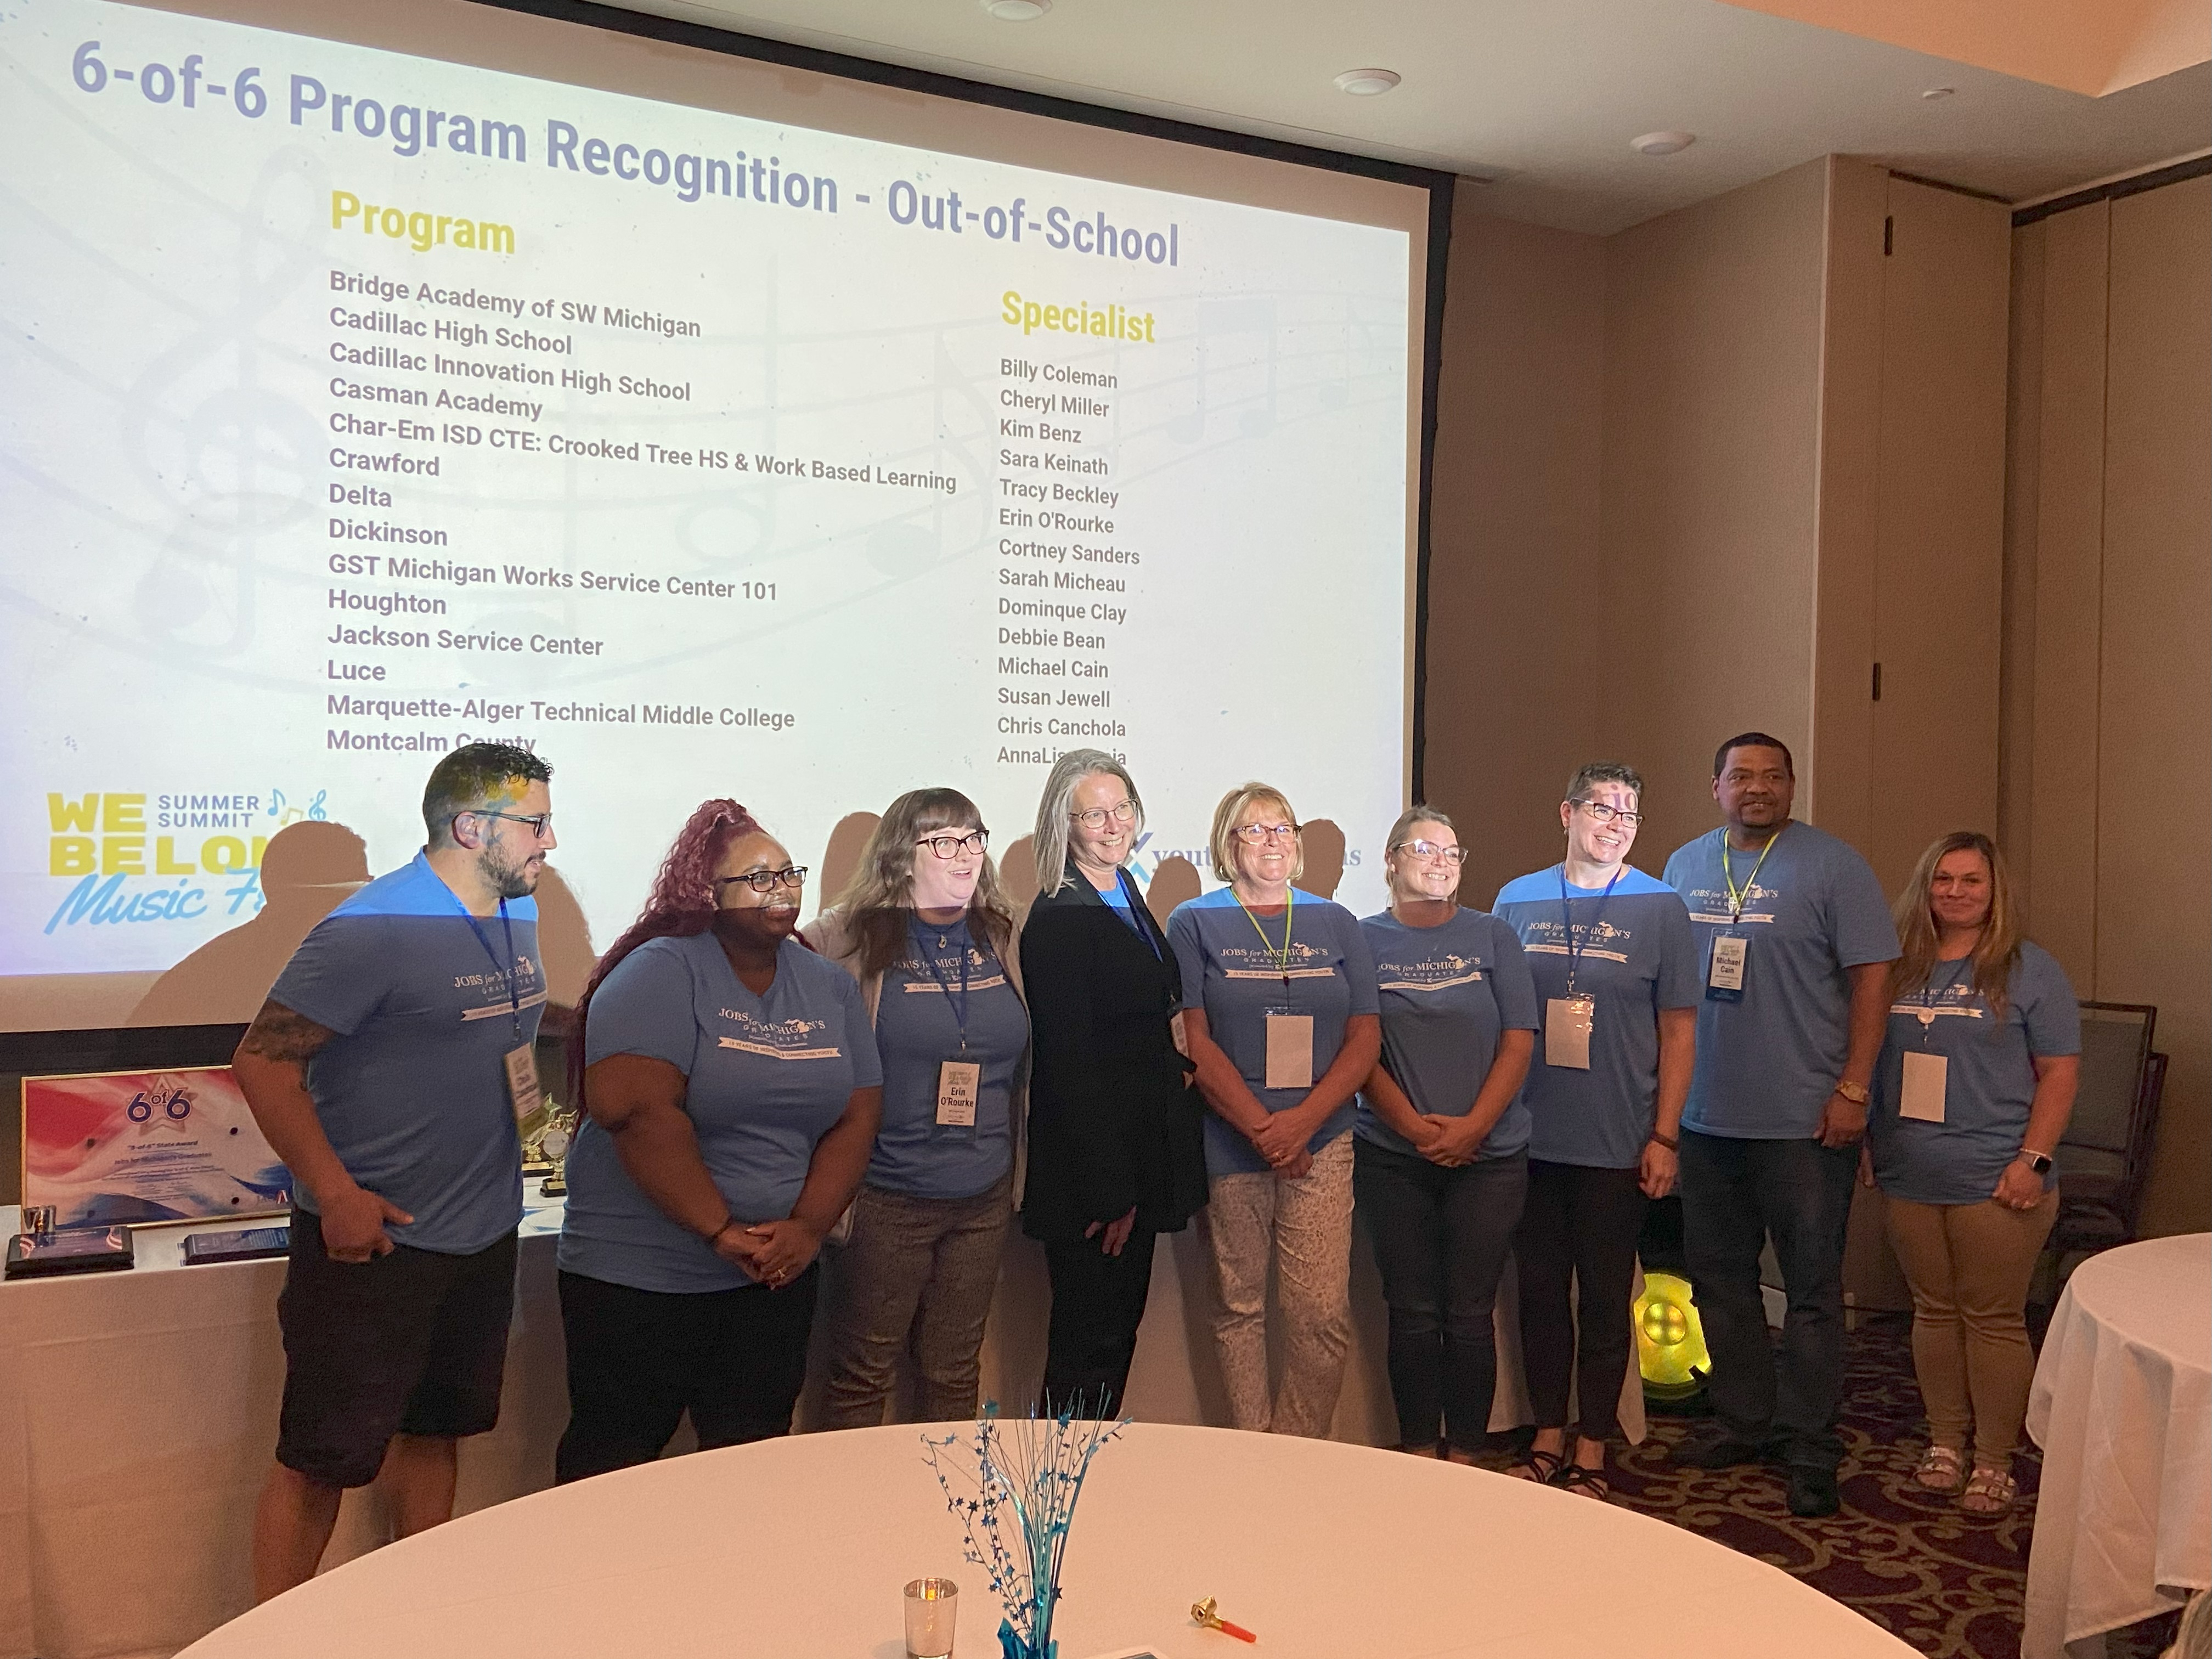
(138, 1410)
(797, 1549)
(2122, 1406)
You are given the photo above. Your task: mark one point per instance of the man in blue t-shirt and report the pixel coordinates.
(1795, 943)
(388, 1069)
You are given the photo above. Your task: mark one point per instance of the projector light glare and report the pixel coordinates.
(1662, 144)
(1670, 1341)
(1367, 82)
(1017, 11)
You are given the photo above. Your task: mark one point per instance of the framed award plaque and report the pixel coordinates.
(108, 1149)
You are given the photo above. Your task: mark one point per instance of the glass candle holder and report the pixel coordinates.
(932, 1605)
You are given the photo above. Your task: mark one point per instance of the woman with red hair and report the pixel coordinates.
(732, 1091)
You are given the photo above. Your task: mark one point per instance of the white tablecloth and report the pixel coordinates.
(138, 1410)
(791, 1549)
(2122, 1407)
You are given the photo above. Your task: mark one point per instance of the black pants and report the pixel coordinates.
(1441, 1238)
(639, 1359)
(1097, 1303)
(1736, 1195)
(1577, 1236)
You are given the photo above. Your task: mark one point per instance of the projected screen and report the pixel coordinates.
(360, 404)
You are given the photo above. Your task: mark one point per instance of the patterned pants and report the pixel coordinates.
(1303, 1228)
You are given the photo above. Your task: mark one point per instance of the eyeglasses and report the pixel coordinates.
(1097, 817)
(1605, 814)
(950, 847)
(1430, 849)
(766, 881)
(1254, 834)
(540, 824)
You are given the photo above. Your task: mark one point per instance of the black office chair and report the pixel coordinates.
(2105, 1154)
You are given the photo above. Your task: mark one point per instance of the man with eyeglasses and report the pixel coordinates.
(1794, 942)
(389, 1069)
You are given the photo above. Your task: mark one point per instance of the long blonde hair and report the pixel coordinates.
(1998, 949)
(878, 903)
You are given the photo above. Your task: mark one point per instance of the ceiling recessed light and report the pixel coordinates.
(1934, 93)
(1367, 82)
(1662, 144)
(1017, 11)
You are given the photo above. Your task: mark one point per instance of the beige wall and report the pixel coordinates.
(1516, 562)
(2107, 802)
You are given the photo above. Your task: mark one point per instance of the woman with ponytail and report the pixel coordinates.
(730, 1091)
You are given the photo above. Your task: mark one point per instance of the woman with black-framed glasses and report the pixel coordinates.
(1617, 980)
(923, 927)
(732, 1091)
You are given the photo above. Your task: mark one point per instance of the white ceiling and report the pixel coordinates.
(1539, 97)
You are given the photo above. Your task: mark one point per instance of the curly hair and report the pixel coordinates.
(680, 906)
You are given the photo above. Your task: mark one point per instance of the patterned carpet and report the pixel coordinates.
(1909, 1561)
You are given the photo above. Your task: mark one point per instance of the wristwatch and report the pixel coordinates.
(2038, 1162)
(1854, 1092)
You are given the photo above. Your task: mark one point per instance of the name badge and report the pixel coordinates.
(523, 1092)
(959, 1083)
(1567, 1022)
(1290, 1051)
(1922, 1099)
(1724, 977)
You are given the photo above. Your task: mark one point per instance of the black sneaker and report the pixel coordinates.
(1812, 1492)
(1714, 1446)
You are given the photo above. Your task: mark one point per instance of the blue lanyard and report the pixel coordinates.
(960, 1008)
(1567, 921)
(1128, 890)
(513, 991)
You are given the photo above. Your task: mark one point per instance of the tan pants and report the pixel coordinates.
(1302, 1227)
(1969, 1266)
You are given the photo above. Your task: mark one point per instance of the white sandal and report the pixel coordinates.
(1990, 1495)
(1942, 1469)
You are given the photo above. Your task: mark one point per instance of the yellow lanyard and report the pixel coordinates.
(1290, 915)
(1737, 896)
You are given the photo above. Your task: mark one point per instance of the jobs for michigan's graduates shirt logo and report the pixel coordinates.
(1437, 973)
(1711, 904)
(135, 856)
(1606, 940)
(1255, 960)
(777, 1039)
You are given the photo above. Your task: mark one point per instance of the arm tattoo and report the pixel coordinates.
(277, 1033)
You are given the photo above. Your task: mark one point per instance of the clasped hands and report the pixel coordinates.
(772, 1253)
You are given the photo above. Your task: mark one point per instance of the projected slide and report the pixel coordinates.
(360, 405)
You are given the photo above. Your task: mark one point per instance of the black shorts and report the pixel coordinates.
(414, 1342)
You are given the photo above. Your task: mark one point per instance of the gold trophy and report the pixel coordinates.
(547, 1134)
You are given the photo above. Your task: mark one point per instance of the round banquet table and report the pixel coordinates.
(2122, 1406)
(797, 1547)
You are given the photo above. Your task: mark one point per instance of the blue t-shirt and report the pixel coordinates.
(1229, 973)
(412, 1090)
(767, 1077)
(1445, 994)
(1634, 956)
(1766, 1065)
(1989, 1082)
(917, 1029)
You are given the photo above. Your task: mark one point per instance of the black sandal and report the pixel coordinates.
(1588, 1483)
(1541, 1467)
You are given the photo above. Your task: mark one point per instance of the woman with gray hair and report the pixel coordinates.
(1116, 1149)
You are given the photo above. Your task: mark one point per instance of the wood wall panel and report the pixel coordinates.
(2154, 797)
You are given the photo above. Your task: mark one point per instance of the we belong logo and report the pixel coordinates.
(139, 856)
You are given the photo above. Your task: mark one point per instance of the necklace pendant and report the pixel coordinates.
(1927, 1017)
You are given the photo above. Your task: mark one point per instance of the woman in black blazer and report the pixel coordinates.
(1116, 1154)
